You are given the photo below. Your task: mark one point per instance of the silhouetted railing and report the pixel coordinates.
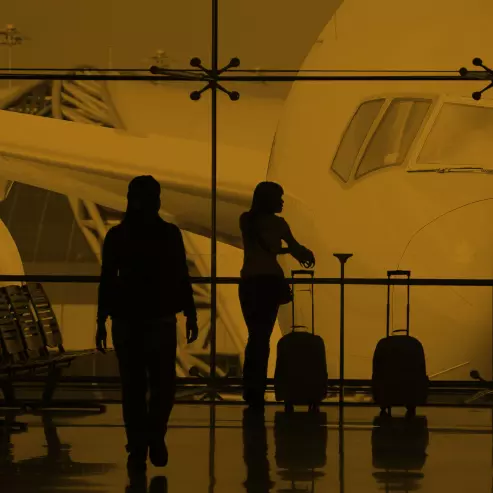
(218, 383)
(368, 281)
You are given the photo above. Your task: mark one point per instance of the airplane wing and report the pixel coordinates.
(96, 163)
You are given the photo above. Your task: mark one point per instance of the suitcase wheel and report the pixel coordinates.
(288, 407)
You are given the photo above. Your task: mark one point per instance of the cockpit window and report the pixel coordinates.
(391, 141)
(354, 137)
(461, 136)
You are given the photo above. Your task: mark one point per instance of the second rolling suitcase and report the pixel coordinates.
(399, 367)
(301, 366)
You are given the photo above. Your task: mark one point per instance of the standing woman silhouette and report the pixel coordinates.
(262, 284)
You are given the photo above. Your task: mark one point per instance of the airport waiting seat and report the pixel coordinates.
(45, 315)
(29, 332)
(13, 355)
(37, 341)
(31, 341)
(48, 324)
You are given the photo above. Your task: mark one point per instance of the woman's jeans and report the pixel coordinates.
(146, 352)
(259, 304)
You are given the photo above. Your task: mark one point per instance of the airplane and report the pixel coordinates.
(394, 172)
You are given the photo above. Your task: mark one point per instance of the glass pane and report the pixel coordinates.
(66, 186)
(394, 136)
(439, 325)
(108, 34)
(83, 38)
(253, 32)
(158, 131)
(354, 137)
(460, 137)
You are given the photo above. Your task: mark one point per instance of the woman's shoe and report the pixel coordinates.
(410, 412)
(254, 399)
(137, 460)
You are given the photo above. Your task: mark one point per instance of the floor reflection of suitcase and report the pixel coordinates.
(399, 368)
(399, 443)
(301, 440)
(301, 366)
(399, 452)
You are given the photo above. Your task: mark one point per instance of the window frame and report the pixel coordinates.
(410, 158)
(415, 152)
(369, 140)
(377, 119)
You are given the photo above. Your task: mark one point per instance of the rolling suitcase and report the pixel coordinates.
(399, 367)
(301, 366)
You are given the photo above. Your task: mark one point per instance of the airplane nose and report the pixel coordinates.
(454, 323)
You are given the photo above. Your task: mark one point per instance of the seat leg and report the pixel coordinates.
(50, 386)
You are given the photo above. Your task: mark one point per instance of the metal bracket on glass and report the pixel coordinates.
(487, 74)
(207, 75)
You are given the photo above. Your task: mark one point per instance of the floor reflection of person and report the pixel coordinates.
(138, 484)
(262, 284)
(255, 453)
(144, 284)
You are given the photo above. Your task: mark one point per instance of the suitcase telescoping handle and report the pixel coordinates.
(393, 273)
(311, 273)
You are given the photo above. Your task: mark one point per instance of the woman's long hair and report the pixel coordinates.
(263, 203)
(143, 199)
(264, 196)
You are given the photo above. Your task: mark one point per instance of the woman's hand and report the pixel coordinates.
(305, 257)
(308, 264)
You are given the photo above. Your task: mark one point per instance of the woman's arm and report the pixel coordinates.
(297, 250)
(289, 239)
(109, 273)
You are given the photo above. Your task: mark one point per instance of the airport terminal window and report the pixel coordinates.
(394, 136)
(461, 136)
(354, 137)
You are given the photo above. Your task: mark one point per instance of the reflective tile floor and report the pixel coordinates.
(450, 450)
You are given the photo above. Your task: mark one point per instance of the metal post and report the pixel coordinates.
(341, 451)
(214, 73)
(212, 448)
(342, 257)
(10, 64)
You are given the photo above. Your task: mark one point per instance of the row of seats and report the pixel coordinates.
(30, 337)
(31, 343)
